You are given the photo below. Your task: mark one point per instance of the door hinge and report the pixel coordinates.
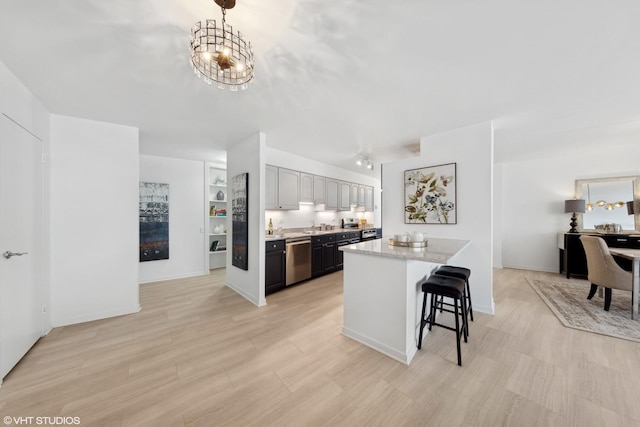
(44, 308)
(44, 158)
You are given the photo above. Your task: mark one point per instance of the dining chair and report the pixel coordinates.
(602, 269)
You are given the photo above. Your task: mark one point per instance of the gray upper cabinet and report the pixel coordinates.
(361, 195)
(306, 188)
(368, 199)
(288, 189)
(271, 187)
(331, 199)
(344, 196)
(282, 188)
(319, 189)
(353, 198)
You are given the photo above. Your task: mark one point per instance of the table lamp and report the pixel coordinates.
(630, 209)
(574, 206)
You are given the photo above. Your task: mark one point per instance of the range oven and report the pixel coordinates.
(368, 234)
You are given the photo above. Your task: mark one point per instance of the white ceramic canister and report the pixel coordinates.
(404, 237)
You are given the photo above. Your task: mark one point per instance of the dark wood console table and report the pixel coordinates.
(574, 261)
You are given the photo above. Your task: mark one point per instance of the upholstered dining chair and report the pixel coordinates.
(602, 269)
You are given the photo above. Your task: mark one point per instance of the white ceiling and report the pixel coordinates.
(337, 78)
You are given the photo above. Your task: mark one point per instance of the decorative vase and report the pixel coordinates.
(220, 195)
(216, 229)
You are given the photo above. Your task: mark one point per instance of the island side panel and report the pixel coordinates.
(380, 302)
(375, 303)
(417, 272)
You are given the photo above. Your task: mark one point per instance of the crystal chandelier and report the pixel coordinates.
(220, 55)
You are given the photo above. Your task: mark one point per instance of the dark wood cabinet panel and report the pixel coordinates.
(342, 239)
(275, 265)
(323, 254)
(575, 260)
(317, 257)
(329, 260)
(340, 254)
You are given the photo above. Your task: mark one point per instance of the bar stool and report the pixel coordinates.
(450, 287)
(460, 273)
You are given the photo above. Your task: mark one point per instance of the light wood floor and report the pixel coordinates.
(198, 354)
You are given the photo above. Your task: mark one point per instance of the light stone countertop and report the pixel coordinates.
(296, 234)
(438, 250)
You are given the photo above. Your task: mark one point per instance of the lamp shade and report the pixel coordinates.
(574, 206)
(630, 209)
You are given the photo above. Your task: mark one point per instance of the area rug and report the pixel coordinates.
(569, 303)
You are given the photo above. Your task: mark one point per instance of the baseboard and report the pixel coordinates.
(245, 295)
(90, 317)
(173, 277)
(528, 267)
(484, 308)
(384, 349)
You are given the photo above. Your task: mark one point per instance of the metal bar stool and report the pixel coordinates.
(450, 287)
(460, 273)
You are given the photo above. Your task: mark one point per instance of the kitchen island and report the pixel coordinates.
(382, 293)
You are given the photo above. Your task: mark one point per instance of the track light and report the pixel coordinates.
(364, 161)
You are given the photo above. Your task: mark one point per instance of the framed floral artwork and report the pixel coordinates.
(430, 195)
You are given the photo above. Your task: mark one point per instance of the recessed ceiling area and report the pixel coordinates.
(337, 79)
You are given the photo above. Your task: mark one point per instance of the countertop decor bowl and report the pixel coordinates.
(422, 244)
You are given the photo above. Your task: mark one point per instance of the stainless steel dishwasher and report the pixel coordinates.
(298, 260)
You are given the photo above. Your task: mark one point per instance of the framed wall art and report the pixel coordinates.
(430, 195)
(240, 220)
(154, 221)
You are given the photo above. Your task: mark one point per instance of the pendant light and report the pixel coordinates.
(218, 54)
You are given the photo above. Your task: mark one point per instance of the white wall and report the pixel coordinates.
(94, 220)
(307, 213)
(19, 105)
(186, 181)
(533, 201)
(471, 148)
(497, 215)
(248, 156)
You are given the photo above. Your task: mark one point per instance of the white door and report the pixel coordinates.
(21, 318)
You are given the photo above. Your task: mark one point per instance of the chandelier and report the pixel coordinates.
(220, 55)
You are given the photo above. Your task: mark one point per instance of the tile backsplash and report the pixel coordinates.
(307, 215)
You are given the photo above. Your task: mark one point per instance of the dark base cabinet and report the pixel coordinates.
(275, 264)
(343, 239)
(325, 257)
(323, 254)
(575, 260)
